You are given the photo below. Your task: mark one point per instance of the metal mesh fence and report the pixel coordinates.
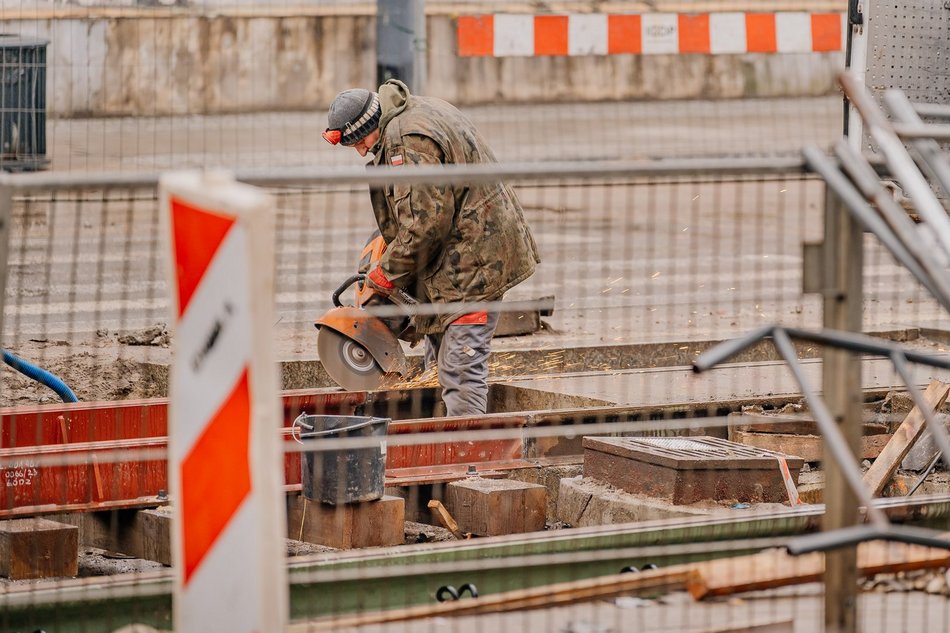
(647, 270)
(247, 85)
(608, 487)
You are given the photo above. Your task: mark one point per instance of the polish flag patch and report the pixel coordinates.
(396, 160)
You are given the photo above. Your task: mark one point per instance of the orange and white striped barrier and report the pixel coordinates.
(511, 35)
(790, 487)
(225, 464)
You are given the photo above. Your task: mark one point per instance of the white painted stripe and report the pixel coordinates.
(587, 34)
(727, 33)
(240, 584)
(660, 33)
(514, 35)
(201, 384)
(233, 569)
(793, 32)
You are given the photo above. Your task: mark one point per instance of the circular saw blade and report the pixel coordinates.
(348, 362)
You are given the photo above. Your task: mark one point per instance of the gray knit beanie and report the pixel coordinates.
(353, 114)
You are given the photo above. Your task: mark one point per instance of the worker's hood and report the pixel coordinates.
(393, 97)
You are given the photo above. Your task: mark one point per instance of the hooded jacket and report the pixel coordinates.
(445, 243)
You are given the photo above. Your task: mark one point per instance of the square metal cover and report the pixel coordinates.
(690, 453)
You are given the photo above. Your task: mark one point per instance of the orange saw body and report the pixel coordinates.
(360, 351)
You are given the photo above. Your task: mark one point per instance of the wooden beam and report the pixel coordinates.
(38, 548)
(492, 507)
(777, 568)
(903, 439)
(647, 582)
(370, 524)
(808, 447)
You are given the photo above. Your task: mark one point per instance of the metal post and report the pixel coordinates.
(401, 42)
(6, 218)
(842, 293)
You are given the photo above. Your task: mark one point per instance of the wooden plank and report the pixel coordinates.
(492, 507)
(903, 439)
(38, 548)
(442, 514)
(787, 424)
(777, 568)
(808, 447)
(647, 582)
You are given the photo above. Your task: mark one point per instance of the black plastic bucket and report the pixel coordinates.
(349, 475)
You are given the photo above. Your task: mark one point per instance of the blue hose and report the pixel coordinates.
(41, 376)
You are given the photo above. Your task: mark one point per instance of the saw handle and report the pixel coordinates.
(335, 297)
(396, 295)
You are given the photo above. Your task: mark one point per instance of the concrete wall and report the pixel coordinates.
(185, 63)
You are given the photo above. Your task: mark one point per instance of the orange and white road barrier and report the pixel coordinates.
(519, 35)
(225, 464)
(790, 487)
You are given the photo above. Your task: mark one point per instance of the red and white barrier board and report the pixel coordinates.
(516, 35)
(225, 464)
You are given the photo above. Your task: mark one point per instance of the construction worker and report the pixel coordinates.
(445, 243)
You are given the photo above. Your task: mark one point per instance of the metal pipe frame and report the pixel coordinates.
(835, 440)
(863, 176)
(932, 110)
(918, 130)
(924, 137)
(859, 343)
(899, 160)
(448, 174)
(938, 431)
(869, 219)
(851, 536)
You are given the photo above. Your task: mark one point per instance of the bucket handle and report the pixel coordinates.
(299, 422)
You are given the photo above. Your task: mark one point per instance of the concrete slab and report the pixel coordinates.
(688, 470)
(586, 502)
(679, 384)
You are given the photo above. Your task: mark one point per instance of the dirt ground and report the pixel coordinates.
(96, 369)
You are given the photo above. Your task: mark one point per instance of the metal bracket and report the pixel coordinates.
(825, 541)
(855, 17)
(812, 268)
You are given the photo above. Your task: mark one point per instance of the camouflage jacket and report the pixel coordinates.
(445, 243)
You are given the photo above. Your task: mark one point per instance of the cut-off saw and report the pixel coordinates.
(360, 351)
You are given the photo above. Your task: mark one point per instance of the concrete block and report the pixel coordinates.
(38, 548)
(550, 477)
(687, 470)
(370, 524)
(586, 502)
(490, 507)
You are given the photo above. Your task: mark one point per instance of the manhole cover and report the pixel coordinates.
(686, 470)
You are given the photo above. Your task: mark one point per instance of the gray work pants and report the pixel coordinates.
(461, 355)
